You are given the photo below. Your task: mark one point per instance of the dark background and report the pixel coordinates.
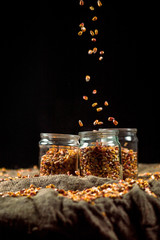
(44, 63)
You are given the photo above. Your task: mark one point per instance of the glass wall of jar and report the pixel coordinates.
(59, 153)
(129, 151)
(99, 154)
(44, 144)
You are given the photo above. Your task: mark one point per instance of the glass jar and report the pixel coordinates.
(44, 144)
(129, 151)
(58, 153)
(99, 154)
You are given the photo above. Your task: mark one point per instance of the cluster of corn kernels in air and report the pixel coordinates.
(94, 32)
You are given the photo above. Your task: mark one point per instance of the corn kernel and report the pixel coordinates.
(81, 25)
(99, 109)
(95, 122)
(88, 78)
(101, 52)
(100, 58)
(94, 19)
(110, 119)
(94, 104)
(91, 8)
(83, 29)
(115, 122)
(80, 33)
(100, 123)
(99, 3)
(92, 33)
(81, 3)
(106, 103)
(94, 91)
(90, 52)
(96, 31)
(80, 123)
(93, 39)
(94, 50)
(85, 98)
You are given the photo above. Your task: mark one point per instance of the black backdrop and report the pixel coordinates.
(43, 64)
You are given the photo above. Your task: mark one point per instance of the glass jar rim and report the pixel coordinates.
(59, 135)
(94, 133)
(134, 130)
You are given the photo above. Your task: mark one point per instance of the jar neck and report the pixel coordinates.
(127, 132)
(61, 139)
(122, 131)
(98, 134)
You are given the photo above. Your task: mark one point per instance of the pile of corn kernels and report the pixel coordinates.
(129, 163)
(108, 190)
(101, 161)
(59, 161)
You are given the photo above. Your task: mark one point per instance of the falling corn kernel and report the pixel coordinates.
(96, 31)
(92, 33)
(81, 3)
(95, 122)
(99, 3)
(85, 98)
(81, 25)
(80, 123)
(95, 50)
(106, 103)
(115, 122)
(94, 104)
(90, 52)
(83, 29)
(100, 58)
(110, 119)
(93, 39)
(91, 8)
(99, 109)
(100, 123)
(94, 19)
(88, 78)
(101, 52)
(80, 33)
(94, 91)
